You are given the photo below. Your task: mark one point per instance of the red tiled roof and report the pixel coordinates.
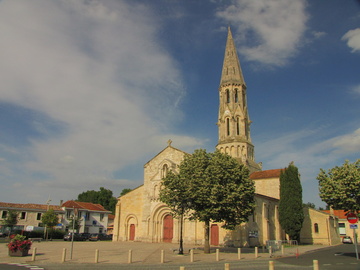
(266, 174)
(341, 214)
(30, 206)
(111, 216)
(85, 205)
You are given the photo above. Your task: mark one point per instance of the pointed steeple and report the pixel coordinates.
(231, 72)
(234, 122)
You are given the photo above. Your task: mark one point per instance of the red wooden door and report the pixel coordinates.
(132, 232)
(168, 228)
(214, 235)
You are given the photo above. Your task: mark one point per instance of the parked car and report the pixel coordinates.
(86, 236)
(99, 236)
(3, 234)
(347, 240)
(77, 237)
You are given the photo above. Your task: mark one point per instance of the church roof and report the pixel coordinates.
(341, 214)
(266, 174)
(231, 72)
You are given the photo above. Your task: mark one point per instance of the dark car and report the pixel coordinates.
(85, 236)
(99, 236)
(347, 240)
(77, 237)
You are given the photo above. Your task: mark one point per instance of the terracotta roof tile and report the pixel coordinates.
(341, 214)
(266, 174)
(85, 205)
(30, 206)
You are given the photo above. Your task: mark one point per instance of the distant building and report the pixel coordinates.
(93, 217)
(29, 215)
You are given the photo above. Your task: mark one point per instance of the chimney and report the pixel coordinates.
(61, 202)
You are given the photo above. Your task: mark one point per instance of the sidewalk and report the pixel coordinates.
(50, 253)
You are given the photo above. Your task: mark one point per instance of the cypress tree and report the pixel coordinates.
(291, 215)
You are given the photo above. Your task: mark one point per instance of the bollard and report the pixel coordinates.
(217, 255)
(63, 255)
(130, 256)
(282, 249)
(192, 255)
(227, 266)
(182, 267)
(239, 253)
(271, 265)
(96, 256)
(315, 264)
(256, 252)
(33, 257)
(162, 256)
(270, 251)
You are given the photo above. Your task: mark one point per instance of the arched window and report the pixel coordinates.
(237, 126)
(227, 126)
(316, 228)
(164, 170)
(227, 96)
(236, 96)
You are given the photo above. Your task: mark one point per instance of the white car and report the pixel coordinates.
(347, 240)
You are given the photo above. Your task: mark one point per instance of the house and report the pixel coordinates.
(93, 217)
(344, 224)
(29, 215)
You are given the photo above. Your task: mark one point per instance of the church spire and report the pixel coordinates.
(233, 121)
(231, 72)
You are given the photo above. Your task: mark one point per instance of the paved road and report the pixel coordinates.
(114, 255)
(336, 257)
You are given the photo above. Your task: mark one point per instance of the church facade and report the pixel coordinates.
(140, 216)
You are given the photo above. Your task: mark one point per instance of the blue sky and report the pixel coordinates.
(92, 90)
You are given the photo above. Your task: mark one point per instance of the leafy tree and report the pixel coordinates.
(291, 215)
(11, 220)
(214, 186)
(103, 196)
(125, 191)
(74, 223)
(310, 205)
(340, 186)
(50, 219)
(174, 194)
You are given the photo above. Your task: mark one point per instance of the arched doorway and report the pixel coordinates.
(168, 228)
(214, 235)
(132, 232)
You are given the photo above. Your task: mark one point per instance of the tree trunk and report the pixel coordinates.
(206, 236)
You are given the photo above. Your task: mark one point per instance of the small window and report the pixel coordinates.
(236, 96)
(23, 215)
(87, 216)
(38, 216)
(68, 214)
(237, 126)
(4, 214)
(227, 96)
(101, 217)
(228, 126)
(316, 228)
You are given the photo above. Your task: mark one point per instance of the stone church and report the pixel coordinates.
(140, 216)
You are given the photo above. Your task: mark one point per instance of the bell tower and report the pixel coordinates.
(233, 120)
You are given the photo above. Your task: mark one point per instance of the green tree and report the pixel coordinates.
(125, 191)
(215, 187)
(49, 219)
(291, 215)
(11, 220)
(74, 223)
(174, 194)
(310, 205)
(103, 196)
(340, 186)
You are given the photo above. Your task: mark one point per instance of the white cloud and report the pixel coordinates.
(352, 38)
(276, 25)
(97, 70)
(356, 89)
